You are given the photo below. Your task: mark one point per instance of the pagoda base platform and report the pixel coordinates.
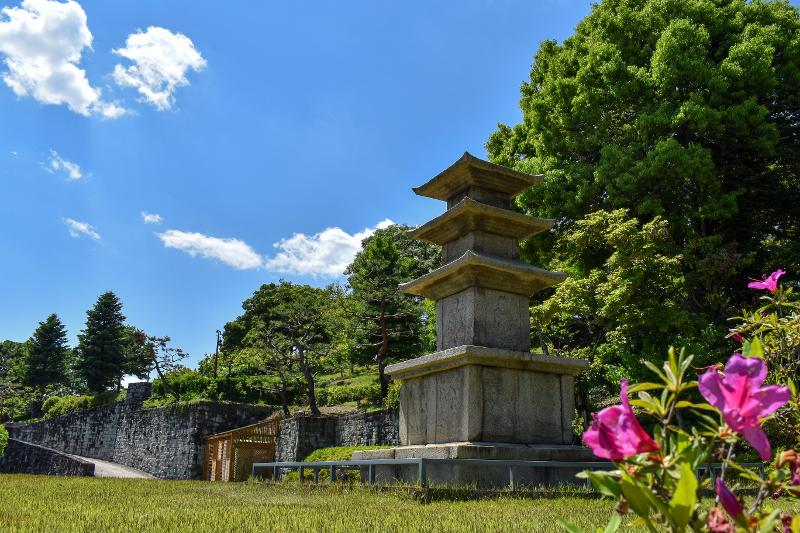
(480, 394)
(480, 475)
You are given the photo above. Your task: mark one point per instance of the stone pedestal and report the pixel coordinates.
(483, 394)
(481, 476)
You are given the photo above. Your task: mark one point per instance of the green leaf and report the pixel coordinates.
(604, 483)
(572, 528)
(636, 497)
(703, 406)
(684, 498)
(753, 348)
(644, 387)
(613, 523)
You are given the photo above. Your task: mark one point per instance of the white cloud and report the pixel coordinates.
(77, 229)
(161, 60)
(151, 218)
(232, 252)
(59, 164)
(323, 254)
(43, 41)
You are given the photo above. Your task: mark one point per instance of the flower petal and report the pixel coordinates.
(758, 440)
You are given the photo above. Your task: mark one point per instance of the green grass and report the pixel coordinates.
(41, 503)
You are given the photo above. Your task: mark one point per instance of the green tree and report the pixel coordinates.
(291, 324)
(138, 359)
(102, 344)
(47, 354)
(688, 111)
(389, 325)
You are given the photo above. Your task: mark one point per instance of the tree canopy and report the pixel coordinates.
(102, 344)
(47, 353)
(686, 115)
(689, 111)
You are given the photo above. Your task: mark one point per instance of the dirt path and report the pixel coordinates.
(106, 469)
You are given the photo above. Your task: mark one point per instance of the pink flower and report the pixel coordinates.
(616, 434)
(769, 283)
(729, 501)
(743, 400)
(735, 335)
(793, 459)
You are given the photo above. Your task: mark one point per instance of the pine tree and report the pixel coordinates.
(46, 362)
(102, 345)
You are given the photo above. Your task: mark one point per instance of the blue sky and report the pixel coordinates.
(267, 137)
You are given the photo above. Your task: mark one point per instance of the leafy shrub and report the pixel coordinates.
(191, 385)
(3, 440)
(14, 408)
(392, 400)
(333, 453)
(369, 394)
(57, 406)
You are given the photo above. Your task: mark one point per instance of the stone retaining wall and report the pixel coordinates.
(166, 442)
(26, 458)
(301, 435)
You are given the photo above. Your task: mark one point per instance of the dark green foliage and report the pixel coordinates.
(687, 114)
(191, 385)
(58, 405)
(139, 354)
(362, 394)
(47, 353)
(388, 325)
(3, 440)
(102, 344)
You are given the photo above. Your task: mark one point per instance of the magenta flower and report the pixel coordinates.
(735, 335)
(743, 400)
(769, 283)
(616, 434)
(729, 501)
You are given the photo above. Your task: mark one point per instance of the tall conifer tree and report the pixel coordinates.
(47, 353)
(102, 345)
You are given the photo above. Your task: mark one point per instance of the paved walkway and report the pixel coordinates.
(106, 469)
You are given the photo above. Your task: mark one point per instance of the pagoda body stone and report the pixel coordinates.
(483, 394)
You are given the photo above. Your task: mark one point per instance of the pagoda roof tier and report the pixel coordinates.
(486, 271)
(469, 171)
(470, 215)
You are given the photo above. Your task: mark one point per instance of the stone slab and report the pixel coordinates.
(483, 317)
(473, 402)
(484, 356)
(480, 270)
(481, 476)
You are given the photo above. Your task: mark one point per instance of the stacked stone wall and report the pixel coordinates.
(25, 458)
(166, 442)
(301, 435)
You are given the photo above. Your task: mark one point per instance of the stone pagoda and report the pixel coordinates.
(483, 394)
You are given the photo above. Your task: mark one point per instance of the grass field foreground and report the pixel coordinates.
(42, 503)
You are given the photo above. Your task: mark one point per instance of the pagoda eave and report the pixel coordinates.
(485, 271)
(469, 171)
(469, 215)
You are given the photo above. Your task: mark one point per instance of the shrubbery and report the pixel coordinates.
(3, 440)
(364, 394)
(62, 405)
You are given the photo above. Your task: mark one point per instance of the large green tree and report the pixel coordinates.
(103, 344)
(389, 325)
(47, 354)
(686, 112)
(289, 325)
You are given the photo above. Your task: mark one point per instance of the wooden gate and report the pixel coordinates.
(230, 455)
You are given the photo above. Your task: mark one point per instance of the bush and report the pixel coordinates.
(333, 453)
(392, 400)
(370, 394)
(191, 385)
(57, 406)
(3, 440)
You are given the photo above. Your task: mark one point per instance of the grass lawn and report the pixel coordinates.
(41, 503)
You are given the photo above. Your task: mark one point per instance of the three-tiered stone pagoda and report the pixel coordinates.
(483, 394)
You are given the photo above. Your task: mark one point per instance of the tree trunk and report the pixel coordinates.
(282, 390)
(166, 383)
(383, 352)
(312, 397)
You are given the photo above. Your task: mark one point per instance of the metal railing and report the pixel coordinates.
(422, 464)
